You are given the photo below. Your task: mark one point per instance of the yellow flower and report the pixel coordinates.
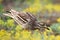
(57, 7)
(25, 34)
(58, 20)
(49, 7)
(57, 37)
(2, 33)
(17, 35)
(33, 39)
(52, 37)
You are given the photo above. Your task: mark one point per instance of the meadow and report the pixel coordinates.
(10, 30)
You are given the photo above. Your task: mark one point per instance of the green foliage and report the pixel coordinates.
(10, 23)
(1, 8)
(56, 27)
(1, 22)
(18, 27)
(7, 25)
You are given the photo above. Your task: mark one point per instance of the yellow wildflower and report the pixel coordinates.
(2, 32)
(25, 34)
(52, 37)
(57, 7)
(58, 20)
(57, 37)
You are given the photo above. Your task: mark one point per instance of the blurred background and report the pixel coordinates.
(10, 30)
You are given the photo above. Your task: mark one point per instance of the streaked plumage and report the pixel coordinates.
(27, 20)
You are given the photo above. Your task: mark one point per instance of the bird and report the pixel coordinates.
(27, 20)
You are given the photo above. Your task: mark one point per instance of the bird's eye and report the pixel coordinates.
(47, 28)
